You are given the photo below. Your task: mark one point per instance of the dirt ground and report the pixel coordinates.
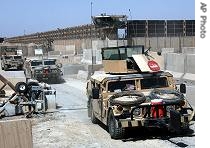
(70, 127)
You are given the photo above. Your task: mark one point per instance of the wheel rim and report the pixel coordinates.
(22, 87)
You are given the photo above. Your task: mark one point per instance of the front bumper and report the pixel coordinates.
(151, 122)
(48, 76)
(173, 117)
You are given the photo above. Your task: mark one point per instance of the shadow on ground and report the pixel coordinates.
(137, 134)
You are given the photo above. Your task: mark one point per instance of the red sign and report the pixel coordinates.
(153, 65)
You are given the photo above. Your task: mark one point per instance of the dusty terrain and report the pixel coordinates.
(70, 127)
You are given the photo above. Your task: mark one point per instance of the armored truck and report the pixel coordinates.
(11, 59)
(45, 70)
(132, 91)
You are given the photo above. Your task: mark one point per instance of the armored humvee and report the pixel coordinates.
(133, 92)
(10, 59)
(46, 70)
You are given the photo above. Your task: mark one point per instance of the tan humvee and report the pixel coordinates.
(135, 94)
(43, 70)
(11, 58)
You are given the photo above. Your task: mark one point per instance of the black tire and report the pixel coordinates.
(178, 97)
(93, 118)
(138, 98)
(21, 87)
(115, 131)
(29, 92)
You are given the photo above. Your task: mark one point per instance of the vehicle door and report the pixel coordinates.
(97, 103)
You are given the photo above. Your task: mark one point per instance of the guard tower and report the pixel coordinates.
(128, 59)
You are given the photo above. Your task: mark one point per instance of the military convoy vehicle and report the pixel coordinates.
(133, 92)
(10, 59)
(45, 70)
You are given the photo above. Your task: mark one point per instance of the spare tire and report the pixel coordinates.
(29, 92)
(168, 96)
(129, 98)
(21, 87)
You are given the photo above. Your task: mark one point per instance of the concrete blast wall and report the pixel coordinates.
(180, 65)
(175, 62)
(190, 64)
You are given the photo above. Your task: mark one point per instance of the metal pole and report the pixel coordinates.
(91, 37)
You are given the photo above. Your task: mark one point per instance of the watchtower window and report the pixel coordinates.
(121, 53)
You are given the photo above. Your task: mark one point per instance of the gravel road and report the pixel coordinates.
(71, 128)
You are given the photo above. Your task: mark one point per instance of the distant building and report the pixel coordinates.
(1, 40)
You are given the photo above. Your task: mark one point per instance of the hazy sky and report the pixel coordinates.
(30, 16)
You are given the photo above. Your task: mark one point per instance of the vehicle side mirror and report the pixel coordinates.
(1, 58)
(183, 88)
(95, 93)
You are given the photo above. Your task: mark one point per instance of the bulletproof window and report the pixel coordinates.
(49, 62)
(8, 57)
(155, 82)
(36, 63)
(117, 86)
(121, 53)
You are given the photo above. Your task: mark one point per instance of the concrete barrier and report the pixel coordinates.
(16, 134)
(180, 65)
(188, 50)
(190, 63)
(82, 75)
(167, 50)
(189, 76)
(175, 62)
(73, 69)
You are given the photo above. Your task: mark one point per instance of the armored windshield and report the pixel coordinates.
(36, 63)
(118, 86)
(49, 62)
(155, 82)
(8, 57)
(121, 53)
